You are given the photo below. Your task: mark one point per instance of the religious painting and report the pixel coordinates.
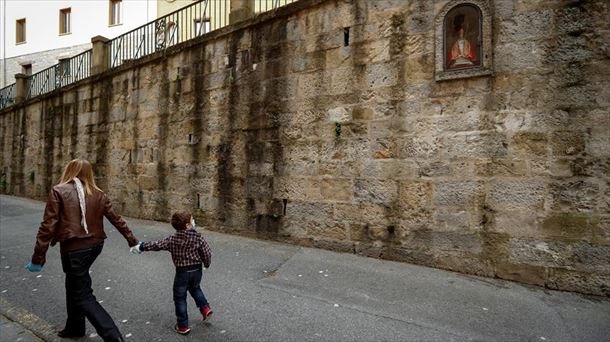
(462, 37)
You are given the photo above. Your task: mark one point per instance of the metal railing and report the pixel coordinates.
(174, 28)
(179, 26)
(7, 96)
(268, 5)
(59, 75)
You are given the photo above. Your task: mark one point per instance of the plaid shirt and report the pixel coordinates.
(187, 247)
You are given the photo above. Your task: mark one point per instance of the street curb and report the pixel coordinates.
(38, 326)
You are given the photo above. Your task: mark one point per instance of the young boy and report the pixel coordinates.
(189, 250)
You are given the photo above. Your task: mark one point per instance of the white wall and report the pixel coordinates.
(89, 19)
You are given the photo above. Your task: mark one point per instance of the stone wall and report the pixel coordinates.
(280, 128)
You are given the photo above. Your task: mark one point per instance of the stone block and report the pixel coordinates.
(362, 113)
(491, 167)
(384, 148)
(338, 168)
(312, 85)
(480, 144)
(412, 256)
(336, 189)
(457, 193)
(339, 114)
(415, 195)
(530, 143)
(334, 245)
(297, 188)
(380, 75)
(464, 262)
(396, 169)
(421, 146)
(536, 252)
(443, 241)
(520, 223)
(362, 213)
(345, 150)
(567, 143)
(574, 280)
(570, 226)
(535, 275)
(376, 191)
(517, 194)
(581, 195)
(453, 220)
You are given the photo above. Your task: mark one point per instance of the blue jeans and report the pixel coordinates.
(187, 279)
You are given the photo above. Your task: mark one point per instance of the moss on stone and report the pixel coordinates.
(571, 226)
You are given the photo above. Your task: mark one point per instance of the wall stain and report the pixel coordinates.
(162, 210)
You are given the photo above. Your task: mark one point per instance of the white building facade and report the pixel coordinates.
(36, 34)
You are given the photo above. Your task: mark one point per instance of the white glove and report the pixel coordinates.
(136, 249)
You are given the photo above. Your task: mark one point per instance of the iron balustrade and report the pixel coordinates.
(59, 75)
(171, 29)
(7, 96)
(179, 26)
(268, 5)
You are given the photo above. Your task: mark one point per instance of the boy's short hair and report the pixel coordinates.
(180, 220)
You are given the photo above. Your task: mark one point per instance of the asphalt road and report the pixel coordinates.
(267, 291)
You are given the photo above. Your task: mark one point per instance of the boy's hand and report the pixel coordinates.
(33, 267)
(136, 249)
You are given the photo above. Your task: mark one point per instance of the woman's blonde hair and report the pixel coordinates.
(82, 169)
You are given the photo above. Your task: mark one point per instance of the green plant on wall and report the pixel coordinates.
(337, 130)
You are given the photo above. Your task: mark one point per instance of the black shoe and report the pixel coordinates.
(68, 334)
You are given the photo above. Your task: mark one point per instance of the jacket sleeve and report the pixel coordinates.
(48, 227)
(118, 222)
(159, 245)
(205, 253)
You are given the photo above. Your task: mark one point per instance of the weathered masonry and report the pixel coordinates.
(341, 125)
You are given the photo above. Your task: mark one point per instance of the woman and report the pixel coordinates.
(74, 217)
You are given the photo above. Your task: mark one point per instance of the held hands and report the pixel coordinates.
(33, 267)
(136, 249)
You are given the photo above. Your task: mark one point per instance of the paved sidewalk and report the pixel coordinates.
(12, 331)
(267, 291)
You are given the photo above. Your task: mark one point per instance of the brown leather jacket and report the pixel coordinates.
(62, 222)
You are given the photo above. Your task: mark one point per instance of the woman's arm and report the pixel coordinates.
(47, 229)
(118, 222)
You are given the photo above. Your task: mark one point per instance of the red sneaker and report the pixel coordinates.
(206, 312)
(182, 331)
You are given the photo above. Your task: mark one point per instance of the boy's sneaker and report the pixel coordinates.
(182, 331)
(206, 312)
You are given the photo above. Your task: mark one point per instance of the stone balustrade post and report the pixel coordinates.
(100, 55)
(241, 10)
(21, 87)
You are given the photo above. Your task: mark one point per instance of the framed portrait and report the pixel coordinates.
(463, 40)
(462, 30)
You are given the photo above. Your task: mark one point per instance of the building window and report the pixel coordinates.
(65, 21)
(20, 31)
(202, 26)
(26, 69)
(171, 33)
(115, 12)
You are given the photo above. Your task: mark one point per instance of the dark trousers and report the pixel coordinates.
(80, 300)
(187, 279)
